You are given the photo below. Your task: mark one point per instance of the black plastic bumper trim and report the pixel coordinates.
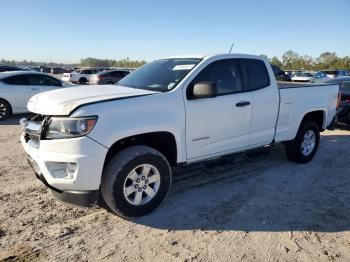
(86, 198)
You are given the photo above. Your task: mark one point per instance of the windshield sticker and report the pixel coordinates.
(183, 67)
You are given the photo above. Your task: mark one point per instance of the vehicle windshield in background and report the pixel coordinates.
(160, 75)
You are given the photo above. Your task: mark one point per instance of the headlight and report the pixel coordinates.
(60, 127)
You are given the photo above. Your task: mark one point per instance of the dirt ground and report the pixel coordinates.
(257, 207)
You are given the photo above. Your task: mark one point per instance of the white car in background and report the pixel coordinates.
(81, 76)
(16, 87)
(312, 77)
(302, 77)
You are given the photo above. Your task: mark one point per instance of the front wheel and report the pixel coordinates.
(135, 181)
(304, 147)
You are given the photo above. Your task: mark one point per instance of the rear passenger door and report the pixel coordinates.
(265, 100)
(42, 83)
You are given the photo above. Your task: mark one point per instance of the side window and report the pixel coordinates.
(42, 80)
(225, 74)
(16, 80)
(256, 74)
(117, 74)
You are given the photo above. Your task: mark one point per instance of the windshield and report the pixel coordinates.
(160, 75)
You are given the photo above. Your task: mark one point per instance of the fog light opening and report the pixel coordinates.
(62, 169)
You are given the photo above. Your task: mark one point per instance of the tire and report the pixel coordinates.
(5, 109)
(116, 181)
(300, 152)
(82, 81)
(110, 83)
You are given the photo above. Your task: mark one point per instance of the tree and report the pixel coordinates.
(275, 61)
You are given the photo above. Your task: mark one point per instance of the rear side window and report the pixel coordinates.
(16, 80)
(42, 80)
(256, 74)
(117, 74)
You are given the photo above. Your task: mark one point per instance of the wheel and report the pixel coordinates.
(82, 81)
(135, 181)
(303, 148)
(110, 83)
(5, 109)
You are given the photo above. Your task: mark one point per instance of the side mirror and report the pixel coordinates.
(204, 90)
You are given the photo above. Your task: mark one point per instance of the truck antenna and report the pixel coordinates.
(231, 47)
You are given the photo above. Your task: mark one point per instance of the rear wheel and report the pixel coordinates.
(136, 181)
(304, 147)
(5, 109)
(82, 81)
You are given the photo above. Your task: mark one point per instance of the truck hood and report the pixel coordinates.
(64, 101)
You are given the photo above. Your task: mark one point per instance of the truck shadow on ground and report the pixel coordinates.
(263, 193)
(14, 119)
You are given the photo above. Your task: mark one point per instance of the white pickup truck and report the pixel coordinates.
(119, 143)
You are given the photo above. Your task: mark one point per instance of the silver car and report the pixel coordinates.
(108, 77)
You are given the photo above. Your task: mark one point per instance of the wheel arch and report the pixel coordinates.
(318, 116)
(163, 141)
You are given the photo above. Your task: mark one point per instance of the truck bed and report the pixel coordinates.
(283, 84)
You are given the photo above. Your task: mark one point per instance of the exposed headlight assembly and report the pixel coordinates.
(62, 127)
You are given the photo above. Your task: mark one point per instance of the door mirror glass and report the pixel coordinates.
(204, 90)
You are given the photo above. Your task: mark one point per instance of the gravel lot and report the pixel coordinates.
(247, 207)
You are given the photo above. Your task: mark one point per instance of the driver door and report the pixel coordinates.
(219, 124)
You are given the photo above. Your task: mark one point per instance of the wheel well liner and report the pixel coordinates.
(316, 116)
(164, 142)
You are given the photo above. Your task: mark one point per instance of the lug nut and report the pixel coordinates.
(144, 187)
(143, 178)
(146, 181)
(138, 180)
(140, 189)
(136, 186)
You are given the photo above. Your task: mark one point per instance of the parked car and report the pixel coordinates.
(81, 76)
(343, 111)
(280, 74)
(335, 73)
(4, 68)
(121, 143)
(108, 77)
(44, 69)
(319, 77)
(58, 70)
(302, 77)
(17, 87)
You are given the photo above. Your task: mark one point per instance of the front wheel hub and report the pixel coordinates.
(141, 184)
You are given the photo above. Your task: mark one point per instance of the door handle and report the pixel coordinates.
(243, 103)
(35, 89)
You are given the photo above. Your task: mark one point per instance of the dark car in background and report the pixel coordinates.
(343, 111)
(5, 68)
(110, 77)
(280, 74)
(58, 70)
(335, 73)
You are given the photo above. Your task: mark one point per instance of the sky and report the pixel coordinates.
(66, 31)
